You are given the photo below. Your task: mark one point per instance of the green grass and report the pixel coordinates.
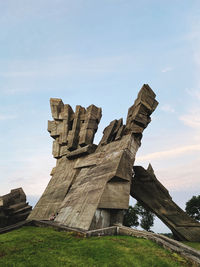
(195, 245)
(32, 246)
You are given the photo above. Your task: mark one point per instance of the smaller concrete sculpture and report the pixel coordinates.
(13, 207)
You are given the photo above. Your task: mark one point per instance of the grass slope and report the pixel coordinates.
(32, 246)
(195, 245)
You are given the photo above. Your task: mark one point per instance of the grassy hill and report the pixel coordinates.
(32, 246)
(195, 245)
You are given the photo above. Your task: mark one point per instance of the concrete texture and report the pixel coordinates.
(13, 208)
(154, 196)
(90, 185)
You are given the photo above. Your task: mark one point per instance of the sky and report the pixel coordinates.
(100, 52)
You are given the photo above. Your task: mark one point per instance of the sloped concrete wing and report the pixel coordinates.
(154, 196)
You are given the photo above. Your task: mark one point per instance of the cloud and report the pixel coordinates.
(177, 169)
(192, 119)
(194, 93)
(18, 74)
(13, 91)
(171, 153)
(32, 173)
(67, 65)
(20, 11)
(185, 176)
(7, 117)
(26, 76)
(194, 39)
(167, 69)
(18, 180)
(167, 108)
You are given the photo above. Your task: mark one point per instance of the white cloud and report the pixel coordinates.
(167, 108)
(192, 119)
(7, 117)
(13, 91)
(177, 169)
(20, 11)
(171, 153)
(19, 74)
(167, 69)
(193, 92)
(194, 39)
(185, 176)
(33, 175)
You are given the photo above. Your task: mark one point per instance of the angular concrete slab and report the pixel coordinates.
(154, 196)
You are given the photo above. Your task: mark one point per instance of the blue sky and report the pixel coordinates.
(100, 52)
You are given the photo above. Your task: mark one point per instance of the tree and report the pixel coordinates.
(131, 217)
(147, 217)
(193, 207)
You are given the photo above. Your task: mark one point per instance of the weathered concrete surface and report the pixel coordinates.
(13, 207)
(56, 190)
(153, 195)
(72, 130)
(90, 185)
(98, 186)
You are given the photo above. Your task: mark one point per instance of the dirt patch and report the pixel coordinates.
(2, 254)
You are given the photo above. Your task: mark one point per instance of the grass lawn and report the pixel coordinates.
(195, 245)
(34, 246)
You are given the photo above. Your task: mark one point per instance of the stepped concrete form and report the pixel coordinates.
(13, 208)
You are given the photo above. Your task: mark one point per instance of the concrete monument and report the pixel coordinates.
(91, 184)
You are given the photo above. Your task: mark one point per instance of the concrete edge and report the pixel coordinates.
(112, 230)
(57, 226)
(12, 227)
